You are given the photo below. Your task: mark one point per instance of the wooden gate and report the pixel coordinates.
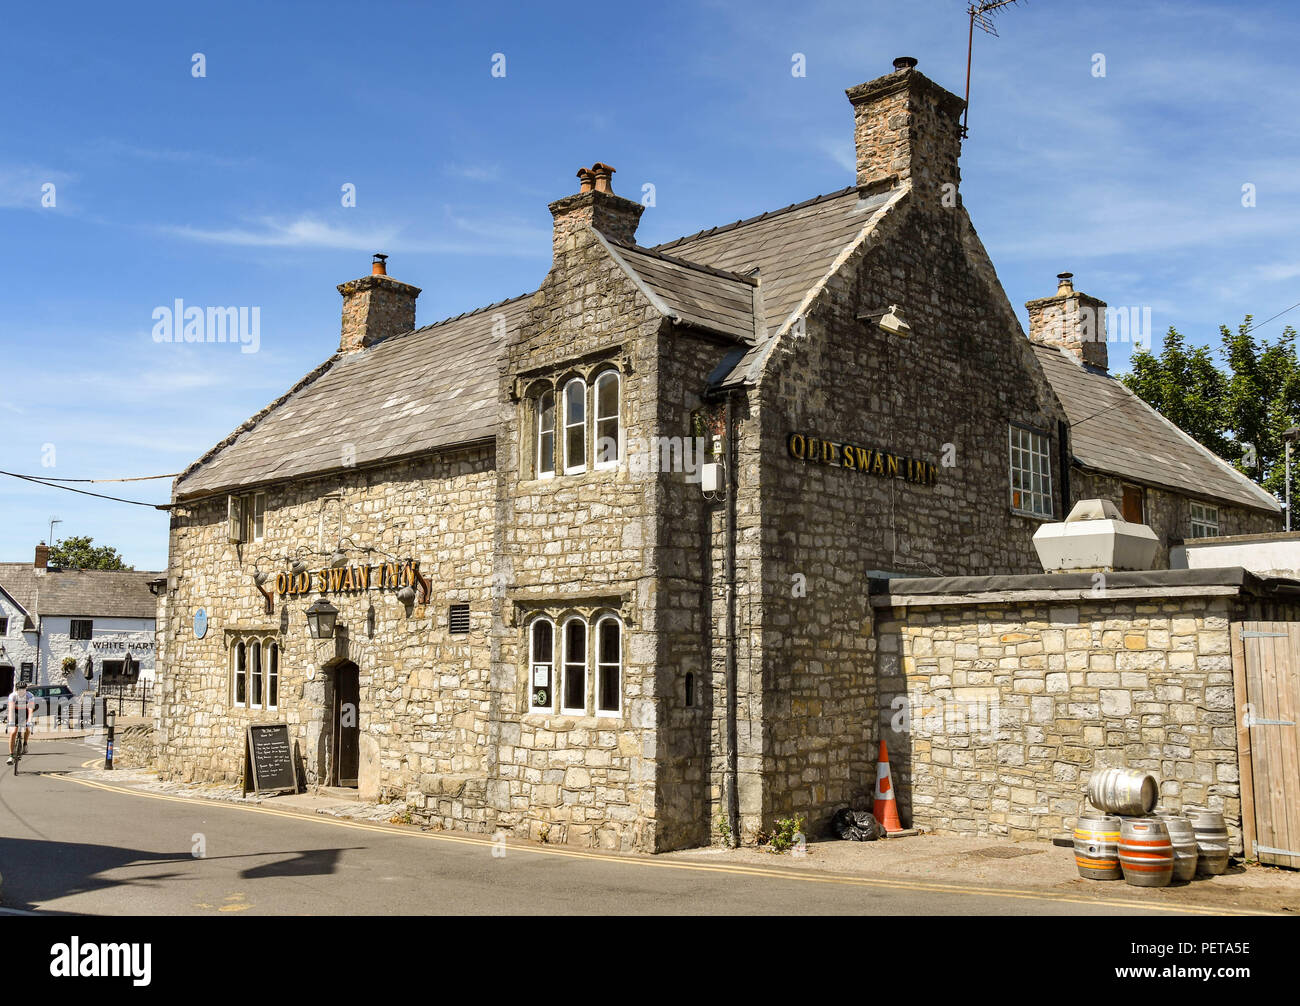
(1266, 676)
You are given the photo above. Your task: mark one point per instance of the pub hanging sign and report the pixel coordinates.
(868, 460)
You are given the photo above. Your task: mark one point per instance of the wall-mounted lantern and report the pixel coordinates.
(320, 619)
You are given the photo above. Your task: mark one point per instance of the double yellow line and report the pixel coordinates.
(767, 872)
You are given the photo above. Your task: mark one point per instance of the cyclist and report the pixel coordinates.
(20, 710)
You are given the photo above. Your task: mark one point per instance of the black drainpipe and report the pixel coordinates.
(1063, 429)
(729, 454)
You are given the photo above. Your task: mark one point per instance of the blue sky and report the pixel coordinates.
(226, 189)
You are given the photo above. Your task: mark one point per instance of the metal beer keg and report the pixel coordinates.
(1096, 846)
(1145, 853)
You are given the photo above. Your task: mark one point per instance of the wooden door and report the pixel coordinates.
(1266, 673)
(1132, 507)
(347, 731)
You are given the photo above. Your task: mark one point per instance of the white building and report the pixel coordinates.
(77, 627)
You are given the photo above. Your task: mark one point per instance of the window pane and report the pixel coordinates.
(575, 396)
(606, 440)
(259, 514)
(273, 684)
(607, 397)
(546, 453)
(240, 674)
(546, 413)
(255, 668)
(575, 452)
(608, 642)
(575, 642)
(609, 688)
(543, 651)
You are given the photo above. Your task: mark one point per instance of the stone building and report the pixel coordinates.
(99, 623)
(1121, 449)
(600, 553)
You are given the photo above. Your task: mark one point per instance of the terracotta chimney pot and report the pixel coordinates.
(586, 180)
(603, 174)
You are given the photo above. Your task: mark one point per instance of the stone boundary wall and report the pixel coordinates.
(997, 714)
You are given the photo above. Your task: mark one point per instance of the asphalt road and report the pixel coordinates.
(66, 846)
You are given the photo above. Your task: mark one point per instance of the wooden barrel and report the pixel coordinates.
(1183, 838)
(1096, 847)
(1145, 853)
(1123, 791)
(1211, 842)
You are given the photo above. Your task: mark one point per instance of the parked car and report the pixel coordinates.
(56, 701)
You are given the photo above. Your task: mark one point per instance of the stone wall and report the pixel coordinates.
(424, 701)
(997, 714)
(945, 395)
(1168, 513)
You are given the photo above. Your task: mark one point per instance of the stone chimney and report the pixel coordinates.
(42, 560)
(1072, 321)
(594, 206)
(375, 307)
(905, 126)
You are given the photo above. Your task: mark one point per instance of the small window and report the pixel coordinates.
(240, 659)
(546, 435)
(690, 689)
(1205, 520)
(255, 675)
(82, 628)
(4, 626)
(272, 676)
(1031, 472)
(541, 666)
(246, 517)
(458, 619)
(607, 420)
(609, 667)
(575, 427)
(574, 697)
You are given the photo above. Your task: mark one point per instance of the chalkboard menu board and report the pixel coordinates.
(270, 758)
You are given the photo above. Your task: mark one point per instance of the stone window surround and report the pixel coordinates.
(556, 384)
(267, 642)
(591, 617)
(1049, 487)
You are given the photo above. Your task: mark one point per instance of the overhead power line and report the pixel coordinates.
(83, 492)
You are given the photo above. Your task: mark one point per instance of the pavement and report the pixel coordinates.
(76, 839)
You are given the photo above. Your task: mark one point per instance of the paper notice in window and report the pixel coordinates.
(541, 675)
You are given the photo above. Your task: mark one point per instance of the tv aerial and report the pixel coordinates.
(981, 14)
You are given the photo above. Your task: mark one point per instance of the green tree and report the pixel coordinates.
(1185, 387)
(80, 553)
(1241, 412)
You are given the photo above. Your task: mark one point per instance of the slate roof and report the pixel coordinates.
(793, 249)
(1112, 430)
(446, 374)
(693, 294)
(92, 593)
(410, 394)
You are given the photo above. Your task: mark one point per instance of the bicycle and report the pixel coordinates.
(20, 747)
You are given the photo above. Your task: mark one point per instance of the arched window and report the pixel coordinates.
(609, 666)
(255, 674)
(573, 698)
(541, 666)
(546, 435)
(272, 676)
(608, 449)
(240, 667)
(575, 426)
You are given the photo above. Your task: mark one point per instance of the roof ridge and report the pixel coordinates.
(721, 228)
(686, 263)
(463, 314)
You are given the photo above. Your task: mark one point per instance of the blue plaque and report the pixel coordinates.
(200, 623)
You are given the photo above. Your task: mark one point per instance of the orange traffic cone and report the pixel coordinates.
(885, 809)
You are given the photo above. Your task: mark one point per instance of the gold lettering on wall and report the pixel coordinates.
(841, 454)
